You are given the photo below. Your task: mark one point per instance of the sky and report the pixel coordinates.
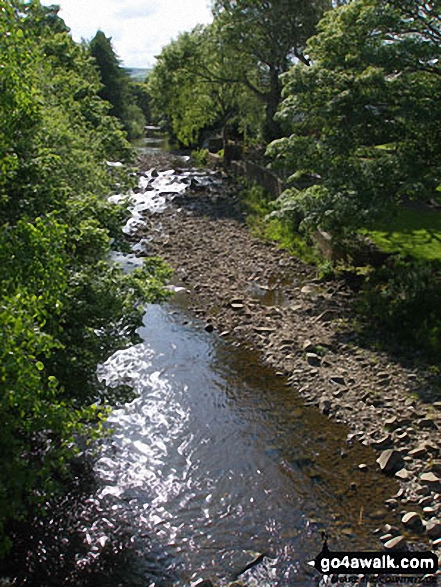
(138, 28)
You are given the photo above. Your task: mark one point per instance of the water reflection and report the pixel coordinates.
(217, 459)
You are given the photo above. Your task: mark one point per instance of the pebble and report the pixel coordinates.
(397, 543)
(390, 461)
(433, 529)
(413, 521)
(430, 478)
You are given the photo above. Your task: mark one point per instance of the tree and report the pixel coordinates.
(117, 86)
(365, 116)
(266, 37)
(192, 86)
(62, 308)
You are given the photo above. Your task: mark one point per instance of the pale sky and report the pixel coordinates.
(139, 28)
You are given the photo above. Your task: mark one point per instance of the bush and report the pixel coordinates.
(404, 300)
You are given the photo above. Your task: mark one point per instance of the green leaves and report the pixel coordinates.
(62, 308)
(372, 83)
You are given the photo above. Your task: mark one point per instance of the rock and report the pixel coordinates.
(311, 290)
(337, 380)
(308, 347)
(412, 521)
(363, 467)
(429, 511)
(427, 424)
(419, 452)
(390, 461)
(204, 583)
(263, 330)
(209, 327)
(433, 529)
(382, 443)
(313, 359)
(326, 316)
(325, 405)
(391, 423)
(397, 543)
(430, 478)
(403, 474)
(435, 467)
(236, 306)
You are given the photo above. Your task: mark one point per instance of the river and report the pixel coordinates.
(217, 460)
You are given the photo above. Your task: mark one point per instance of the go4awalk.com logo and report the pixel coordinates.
(378, 563)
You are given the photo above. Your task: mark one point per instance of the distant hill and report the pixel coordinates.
(137, 73)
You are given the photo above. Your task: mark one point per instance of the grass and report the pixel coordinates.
(257, 204)
(415, 233)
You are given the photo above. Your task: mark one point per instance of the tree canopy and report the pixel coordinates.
(62, 307)
(117, 87)
(365, 117)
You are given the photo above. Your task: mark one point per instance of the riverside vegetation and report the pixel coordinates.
(63, 307)
(343, 96)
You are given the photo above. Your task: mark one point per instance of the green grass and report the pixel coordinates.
(257, 204)
(416, 233)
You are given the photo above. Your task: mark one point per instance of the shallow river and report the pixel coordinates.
(218, 459)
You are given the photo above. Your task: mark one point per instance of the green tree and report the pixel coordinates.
(62, 308)
(191, 86)
(266, 37)
(365, 116)
(117, 87)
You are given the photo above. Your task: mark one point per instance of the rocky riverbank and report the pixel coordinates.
(253, 293)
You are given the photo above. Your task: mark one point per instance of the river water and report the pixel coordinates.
(217, 460)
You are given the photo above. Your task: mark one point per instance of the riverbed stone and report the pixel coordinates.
(390, 461)
(313, 359)
(382, 443)
(433, 529)
(430, 479)
(325, 405)
(396, 543)
(413, 521)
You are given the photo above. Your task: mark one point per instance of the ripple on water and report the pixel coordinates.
(216, 459)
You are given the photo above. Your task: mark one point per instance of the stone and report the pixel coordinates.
(382, 443)
(363, 467)
(397, 543)
(204, 583)
(325, 405)
(412, 520)
(430, 478)
(433, 529)
(419, 452)
(390, 461)
(391, 423)
(427, 424)
(403, 474)
(209, 327)
(313, 359)
(337, 380)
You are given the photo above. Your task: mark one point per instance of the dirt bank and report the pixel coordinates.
(252, 292)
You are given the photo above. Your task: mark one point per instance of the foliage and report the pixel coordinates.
(192, 90)
(62, 309)
(365, 116)
(266, 37)
(118, 89)
(404, 300)
(200, 157)
(259, 206)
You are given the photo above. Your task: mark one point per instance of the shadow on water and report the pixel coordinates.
(218, 459)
